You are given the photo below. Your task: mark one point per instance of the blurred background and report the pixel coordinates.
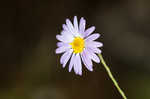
(30, 69)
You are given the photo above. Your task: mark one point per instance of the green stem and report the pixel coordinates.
(111, 77)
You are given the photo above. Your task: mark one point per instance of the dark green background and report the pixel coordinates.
(30, 69)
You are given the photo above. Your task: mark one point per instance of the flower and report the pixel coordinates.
(77, 43)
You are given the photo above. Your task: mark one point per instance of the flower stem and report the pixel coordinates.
(111, 77)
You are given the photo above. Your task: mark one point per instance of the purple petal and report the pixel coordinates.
(77, 65)
(82, 25)
(71, 62)
(62, 49)
(93, 44)
(95, 50)
(65, 27)
(69, 25)
(89, 31)
(65, 37)
(65, 57)
(61, 38)
(66, 31)
(93, 56)
(87, 61)
(93, 37)
(60, 44)
(75, 23)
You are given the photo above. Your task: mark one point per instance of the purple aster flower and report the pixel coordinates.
(78, 44)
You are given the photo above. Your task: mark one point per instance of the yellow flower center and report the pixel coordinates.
(77, 45)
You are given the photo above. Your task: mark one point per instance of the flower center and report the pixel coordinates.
(77, 45)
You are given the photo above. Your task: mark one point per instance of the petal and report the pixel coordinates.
(59, 44)
(82, 25)
(93, 37)
(70, 26)
(75, 21)
(65, 57)
(71, 29)
(61, 38)
(93, 56)
(66, 38)
(62, 49)
(93, 44)
(65, 27)
(71, 62)
(87, 61)
(66, 30)
(95, 50)
(77, 65)
(89, 31)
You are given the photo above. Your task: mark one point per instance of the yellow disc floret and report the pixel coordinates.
(77, 45)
